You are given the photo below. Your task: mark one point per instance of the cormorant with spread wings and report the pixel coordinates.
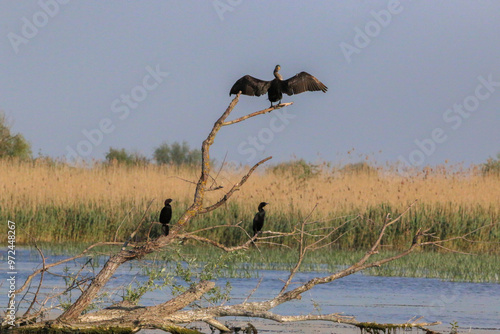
(297, 84)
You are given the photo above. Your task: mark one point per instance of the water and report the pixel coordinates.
(473, 306)
(387, 299)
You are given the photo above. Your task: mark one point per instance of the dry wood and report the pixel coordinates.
(39, 284)
(48, 266)
(241, 119)
(125, 255)
(169, 315)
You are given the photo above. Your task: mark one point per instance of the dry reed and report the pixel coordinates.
(30, 186)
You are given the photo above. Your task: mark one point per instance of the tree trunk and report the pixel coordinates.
(97, 284)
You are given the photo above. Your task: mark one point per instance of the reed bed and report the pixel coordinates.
(447, 266)
(456, 267)
(54, 202)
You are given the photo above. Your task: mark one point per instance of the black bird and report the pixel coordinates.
(165, 216)
(297, 84)
(258, 220)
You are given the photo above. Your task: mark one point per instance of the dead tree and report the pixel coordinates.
(171, 315)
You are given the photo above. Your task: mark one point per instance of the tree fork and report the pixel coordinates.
(87, 296)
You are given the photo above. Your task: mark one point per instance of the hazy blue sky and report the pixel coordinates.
(415, 81)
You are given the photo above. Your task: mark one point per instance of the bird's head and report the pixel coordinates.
(262, 204)
(277, 68)
(168, 201)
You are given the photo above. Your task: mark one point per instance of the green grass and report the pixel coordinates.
(428, 264)
(92, 223)
(446, 266)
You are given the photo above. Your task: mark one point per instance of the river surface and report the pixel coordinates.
(475, 307)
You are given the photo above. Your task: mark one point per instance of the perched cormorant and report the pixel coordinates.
(297, 84)
(258, 220)
(165, 216)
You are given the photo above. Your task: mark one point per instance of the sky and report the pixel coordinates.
(412, 82)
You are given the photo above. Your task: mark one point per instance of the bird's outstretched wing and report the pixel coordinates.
(302, 82)
(249, 85)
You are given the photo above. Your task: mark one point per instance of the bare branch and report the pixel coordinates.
(195, 209)
(360, 265)
(39, 284)
(48, 266)
(138, 226)
(212, 188)
(216, 176)
(302, 252)
(192, 294)
(241, 119)
(237, 225)
(461, 237)
(215, 243)
(381, 234)
(235, 187)
(119, 226)
(338, 318)
(253, 291)
(307, 234)
(199, 194)
(217, 324)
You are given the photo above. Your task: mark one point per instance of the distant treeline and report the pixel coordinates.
(14, 145)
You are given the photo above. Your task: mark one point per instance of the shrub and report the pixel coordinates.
(298, 168)
(177, 154)
(12, 145)
(358, 168)
(491, 166)
(123, 157)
